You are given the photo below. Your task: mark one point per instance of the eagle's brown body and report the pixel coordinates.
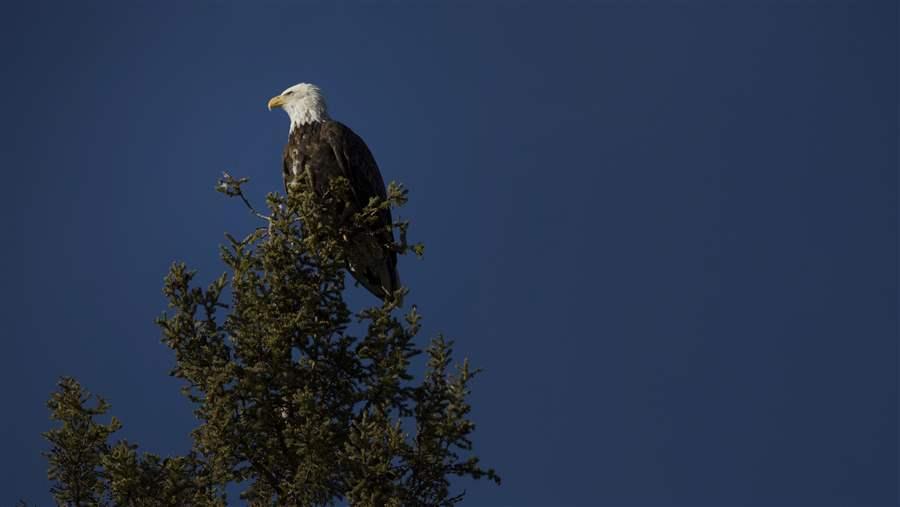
(320, 150)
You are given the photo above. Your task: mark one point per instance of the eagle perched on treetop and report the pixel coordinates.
(319, 149)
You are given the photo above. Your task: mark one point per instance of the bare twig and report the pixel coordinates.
(231, 187)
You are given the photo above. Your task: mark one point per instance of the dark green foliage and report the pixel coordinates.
(300, 398)
(79, 445)
(149, 480)
(88, 472)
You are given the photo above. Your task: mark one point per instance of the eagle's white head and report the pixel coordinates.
(303, 103)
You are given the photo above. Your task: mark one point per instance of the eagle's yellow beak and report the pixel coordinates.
(276, 101)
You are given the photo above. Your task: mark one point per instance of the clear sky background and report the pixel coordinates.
(667, 230)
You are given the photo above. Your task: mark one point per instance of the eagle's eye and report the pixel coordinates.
(290, 92)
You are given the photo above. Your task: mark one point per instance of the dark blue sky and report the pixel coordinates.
(667, 230)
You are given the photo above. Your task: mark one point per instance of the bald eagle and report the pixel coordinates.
(319, 149)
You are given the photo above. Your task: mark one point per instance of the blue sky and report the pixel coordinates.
(667, 230)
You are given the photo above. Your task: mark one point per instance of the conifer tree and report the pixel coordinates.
(298, 397)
